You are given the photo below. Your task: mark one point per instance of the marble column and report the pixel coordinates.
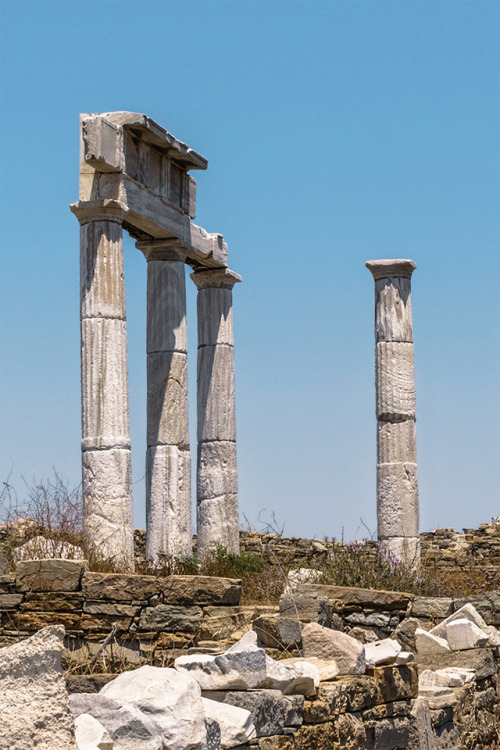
(106, 457)
(397, 488)
(168, 465)
(217, 484)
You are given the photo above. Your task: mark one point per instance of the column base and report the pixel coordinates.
(403, 548)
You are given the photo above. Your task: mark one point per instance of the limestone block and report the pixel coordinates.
(468, 611)
(236, 726)
(33, 698)
(278, 632)
(395, 381)
(172, 699)
(396, 442)
(293, 714)
(217, 474)
(379, 620)
(215, 317)
(49, 575)
(332, 644)
(217, 521)
(268, 708)
(171, 618)
(381, 652)
(404, 548)
(393, 320)
(105, 412)
(393, 732)
(201, 590)
(307, 608)
(119, 587)
(297, 678)
(359, 598)
(480, 660)
(397, 500)
(216, 410)
(432, 607)
(102, 287)
(107, 496)
(166, 307)
(347, 693)
(102, 146)
(168, 502)
(429, 644)
(463, 634)
(438, 697)
(167, 399)
(423, 725)
(221, 622)
(91, 735)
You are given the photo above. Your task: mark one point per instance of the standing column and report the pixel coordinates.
(397, 488)
(106, 457)
(217, 483)
(168, 465)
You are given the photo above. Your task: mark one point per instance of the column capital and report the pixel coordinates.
(105, 210)
(215, 278)
(385, 269)
(168, 248)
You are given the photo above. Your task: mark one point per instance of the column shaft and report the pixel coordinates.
(106, 457)
(217, 483)
(397, 487)
(168, 465)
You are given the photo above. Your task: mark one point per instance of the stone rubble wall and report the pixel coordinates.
(157, 620)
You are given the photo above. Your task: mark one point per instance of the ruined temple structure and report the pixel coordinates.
(397, 488)
(134, 175)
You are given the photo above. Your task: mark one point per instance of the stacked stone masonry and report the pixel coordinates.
(158, 620)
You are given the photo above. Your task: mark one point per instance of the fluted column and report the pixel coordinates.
(217, 484)
(397, 488)
(168, 465)
(106, 457)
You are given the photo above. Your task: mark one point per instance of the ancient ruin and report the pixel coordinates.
(397, 489)
(134, 175)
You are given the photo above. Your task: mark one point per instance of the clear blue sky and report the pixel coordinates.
(336, 131)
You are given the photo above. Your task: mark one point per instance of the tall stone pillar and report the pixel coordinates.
(168, 465)
(397, 488)
(106, 457)
(217, 483)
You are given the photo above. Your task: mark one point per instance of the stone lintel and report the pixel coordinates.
(387, 268)
(105, 210)
(162, 249)
(215, 278)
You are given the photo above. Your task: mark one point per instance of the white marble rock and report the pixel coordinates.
(447, 677)
(429, 644)
(236, 726)
(91, 735)
(171, 698)
(468, 611)
(463, 634)
(381, 652)
(324, 643)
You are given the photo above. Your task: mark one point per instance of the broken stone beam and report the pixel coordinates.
(168, 465)
(217, 484)
(106, 458)
(397, 488)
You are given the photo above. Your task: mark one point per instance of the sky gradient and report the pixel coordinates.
(336, 132)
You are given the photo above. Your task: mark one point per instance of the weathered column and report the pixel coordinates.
(168, 465)
(106, 458)
(217, 483)
(397, 488)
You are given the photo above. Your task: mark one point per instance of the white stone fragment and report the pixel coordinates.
(327, 668)
(404, 657)
(240, 670)
(300, 678)
(462, 634)
(493, 635)
(438, 697)
(236, 726)
(33, 698)
(171, 698)
(381, 652)
(468, 611)
(427, 643)
(248, 642)
(446, 677)
(38, 548)
(325, 643)
(302, 575)
(91, 735)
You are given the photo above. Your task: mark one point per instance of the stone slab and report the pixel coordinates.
(354, 597)
(49, 575)
(120, 587)
(171, 618)
(201, 590)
